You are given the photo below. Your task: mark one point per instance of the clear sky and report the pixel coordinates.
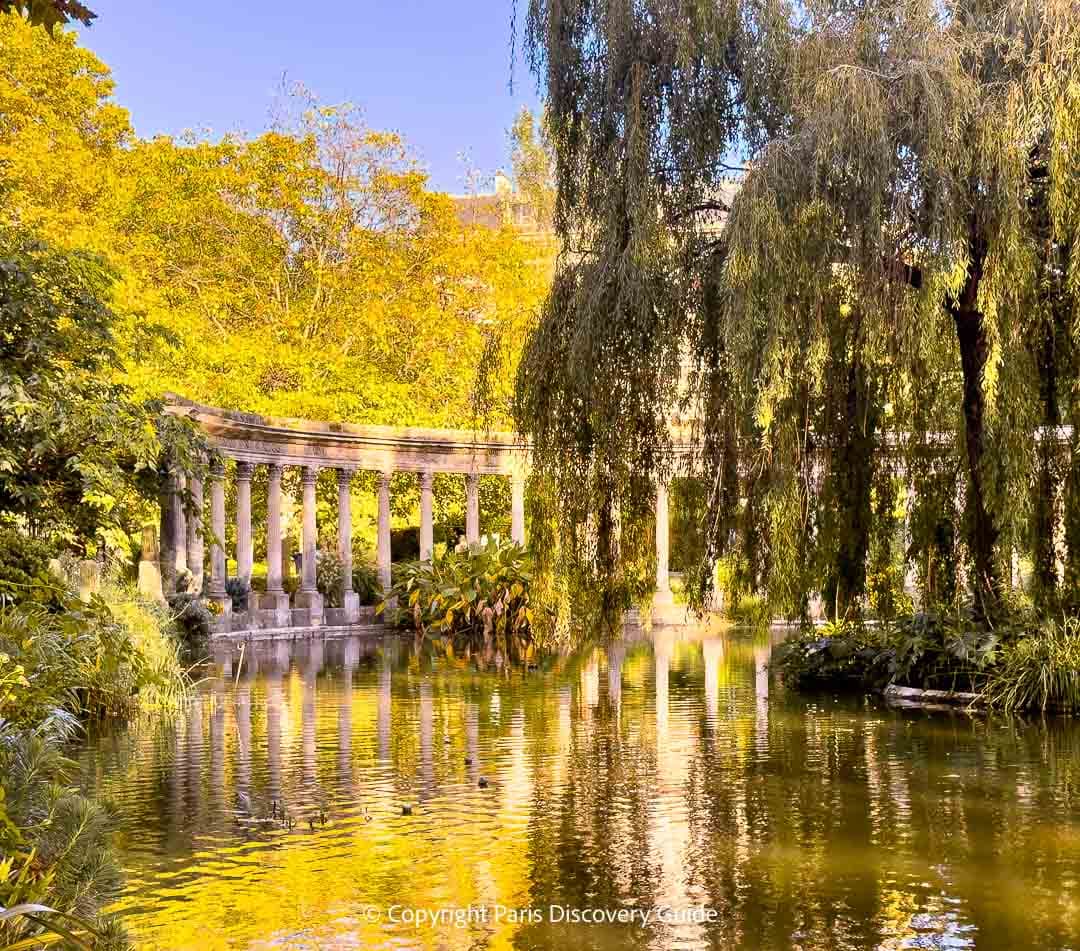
(437, 71)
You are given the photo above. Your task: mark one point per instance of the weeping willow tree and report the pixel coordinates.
(887, 303)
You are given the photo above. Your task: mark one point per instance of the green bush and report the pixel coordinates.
(480, 591)
(238, 590)
(193, 620)
(85, 660)
(24, 568)
(1040, 671)
(843, 655)
(328, 570)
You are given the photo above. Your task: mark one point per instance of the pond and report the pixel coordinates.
(667, 780)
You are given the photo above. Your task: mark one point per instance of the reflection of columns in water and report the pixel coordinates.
(348, 665)
(427, 739)
(712, 652)
(273, 729)
(242, 713)
(309, 708)
(669, 831)
(564, 736)
(616, 652)
(761, 692)
(590, 681)
(194, 752)
(514, 779)
(217, 741)
(472, 739)
(177, 776)
(662, 659)
(385, 707)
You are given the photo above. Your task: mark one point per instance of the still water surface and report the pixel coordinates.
(665, 772)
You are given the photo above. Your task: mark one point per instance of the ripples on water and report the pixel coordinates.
(671, 771)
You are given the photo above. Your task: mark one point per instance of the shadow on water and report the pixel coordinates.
(313, 788)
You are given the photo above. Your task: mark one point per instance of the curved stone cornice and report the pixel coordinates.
(249, 437)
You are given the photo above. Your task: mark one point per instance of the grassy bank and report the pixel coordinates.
(1022, 663)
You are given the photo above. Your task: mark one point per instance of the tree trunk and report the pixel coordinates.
(1044, 521)
(983, 530)
(853, 474)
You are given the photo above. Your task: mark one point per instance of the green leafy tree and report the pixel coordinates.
(904, 224)
(79, 456)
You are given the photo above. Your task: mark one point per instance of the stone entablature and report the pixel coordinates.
(250, 437)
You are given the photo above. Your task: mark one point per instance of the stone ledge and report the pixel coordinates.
(915, 696)
(295, 633)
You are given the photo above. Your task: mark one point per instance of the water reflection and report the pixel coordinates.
(663, 771)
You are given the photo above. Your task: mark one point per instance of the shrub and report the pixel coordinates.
(842, 655)
(1038, 672)
(365, 581)
(193, 620)
(238, 590)
(24, 568)
(480, 591)
(85, 661)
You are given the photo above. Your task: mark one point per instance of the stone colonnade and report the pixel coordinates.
(277, 444)
(272, 608)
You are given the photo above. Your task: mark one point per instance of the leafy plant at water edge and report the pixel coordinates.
(85, 660)
(481, 591)
(55, 844)
(1038, 672)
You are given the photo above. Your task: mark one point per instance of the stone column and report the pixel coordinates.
(149, 567)
(244, 552)
(382, 545)
(472, 508)
(911, 573)
(216, 591)
(275, 599)
(517, 507)
(427, 528)
(663, 528)
(180, 523)
(308, 596)
(350, 600)
(195, 543)
(167, 537)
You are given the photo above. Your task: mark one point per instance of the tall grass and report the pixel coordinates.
(1040, 671)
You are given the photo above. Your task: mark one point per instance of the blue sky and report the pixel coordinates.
(437, 71)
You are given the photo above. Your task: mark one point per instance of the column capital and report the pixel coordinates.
(217, 467)
(244, 471)
(344, 478)
(472, 478)
(383, 479)
(274, 470)
(427, 478)
(311, 474)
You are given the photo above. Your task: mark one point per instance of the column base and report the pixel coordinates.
(663, 598)
(150, 583)
(274, 609)
(351, 607)
(312, 602)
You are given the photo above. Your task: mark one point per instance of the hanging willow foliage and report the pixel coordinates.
(891, 295)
